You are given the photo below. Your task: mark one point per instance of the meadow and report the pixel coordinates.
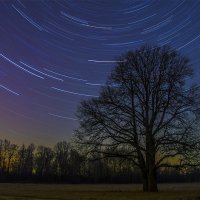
(16, 191)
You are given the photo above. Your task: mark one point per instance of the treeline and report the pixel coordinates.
(66, 164)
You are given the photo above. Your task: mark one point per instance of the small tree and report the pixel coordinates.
(43, 162)
(25, 161)
(62, 156)
(146, 113)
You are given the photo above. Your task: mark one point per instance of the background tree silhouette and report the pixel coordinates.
(146, 113)
(43, 161)
(25, 158)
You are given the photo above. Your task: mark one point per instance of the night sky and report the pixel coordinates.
(53, 54)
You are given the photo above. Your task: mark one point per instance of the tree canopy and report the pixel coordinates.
(147, 112)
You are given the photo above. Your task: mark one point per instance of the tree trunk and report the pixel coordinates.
(145, 183)
(150, 162)
(152, 181)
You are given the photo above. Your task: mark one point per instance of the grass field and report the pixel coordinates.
(10, 191)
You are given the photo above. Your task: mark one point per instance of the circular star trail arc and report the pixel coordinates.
(56, 53)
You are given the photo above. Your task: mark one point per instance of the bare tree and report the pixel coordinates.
(62, 156)
(146, 113)
(8, 153)
(43, 161)
(68, 161)
(25, 161)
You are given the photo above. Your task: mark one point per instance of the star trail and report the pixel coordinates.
(56, 53)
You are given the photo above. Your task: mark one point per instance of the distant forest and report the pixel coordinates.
(64, 163)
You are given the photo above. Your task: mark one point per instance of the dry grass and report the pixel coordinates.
(10, 191)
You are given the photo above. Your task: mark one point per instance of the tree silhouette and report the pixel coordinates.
(43, 162)
(62, 155)
(146, 113)
(25, 160)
